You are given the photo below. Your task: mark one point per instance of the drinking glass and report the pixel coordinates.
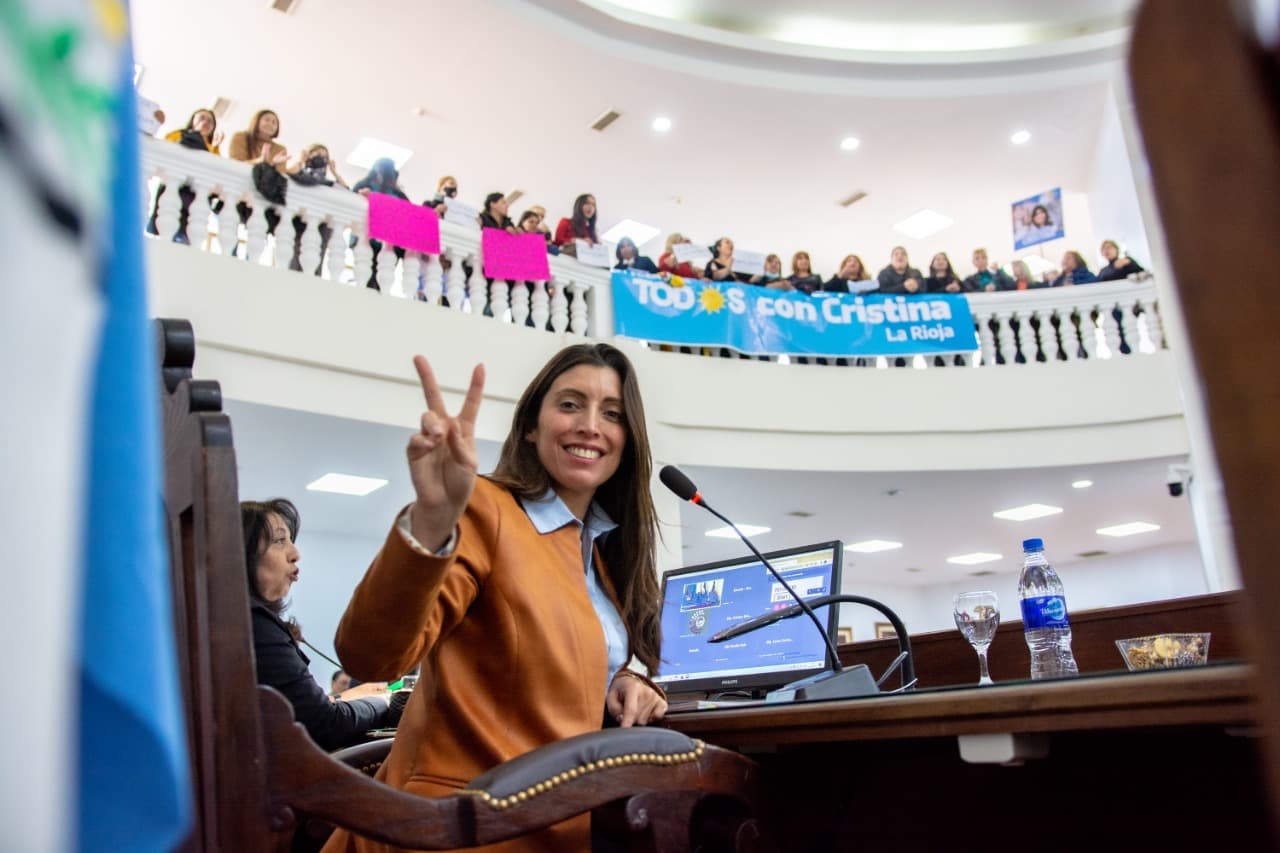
(977, 616)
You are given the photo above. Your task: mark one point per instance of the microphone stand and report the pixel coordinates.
(805, 689)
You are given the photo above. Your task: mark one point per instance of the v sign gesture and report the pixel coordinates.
(442, 458)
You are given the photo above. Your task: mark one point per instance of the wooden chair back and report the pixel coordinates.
(1207, 96)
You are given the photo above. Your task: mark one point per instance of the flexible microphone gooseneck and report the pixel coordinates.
(904, 640)
(675, 480)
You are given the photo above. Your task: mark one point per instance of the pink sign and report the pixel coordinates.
(518, 257)
(404, 224)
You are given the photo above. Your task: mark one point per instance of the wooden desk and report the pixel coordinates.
(1160, 760)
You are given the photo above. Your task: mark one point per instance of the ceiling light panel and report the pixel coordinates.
(871, 546)
(1132, 528)
(747, 530)
(1028, 512)
(346, 484)
(923, 223)
(368, 150)
(974, 559)
(637, 231)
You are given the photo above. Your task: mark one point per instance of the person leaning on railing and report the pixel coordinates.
(942, 276)
(256, 144)
(384, 178)
(580, 226)
(988, 277)
(312, 169)
(1075, 270)
(271, 561)
(1118, 265)
(528, 595)
(200, 134)
(802, 277)
(899, 276)
(851, 270)
(667, 260)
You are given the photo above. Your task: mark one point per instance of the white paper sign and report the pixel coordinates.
(692, 253)
(460, 214)
(863, 286)
(748, 263)
(593, 256)
(147, 121)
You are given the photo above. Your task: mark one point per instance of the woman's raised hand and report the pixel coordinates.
(442, 458)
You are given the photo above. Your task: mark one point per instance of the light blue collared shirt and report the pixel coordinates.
(549, 513)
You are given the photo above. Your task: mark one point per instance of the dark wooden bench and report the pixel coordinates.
(257, 773)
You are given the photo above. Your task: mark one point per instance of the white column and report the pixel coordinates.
(433, 280)
(540, 305)
(457, 290)
(228, 225)
(170, 205)
(477, 289)
(386, 268)
(578, 310)
(256, 241)
(519, 303)
(500, 306)
(363, 262)
(309, 256)
(559, 306)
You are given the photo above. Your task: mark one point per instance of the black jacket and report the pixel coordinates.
(282, 665)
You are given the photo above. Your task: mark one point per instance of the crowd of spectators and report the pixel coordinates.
(257, 145)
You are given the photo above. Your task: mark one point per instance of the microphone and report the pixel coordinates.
(675, 480)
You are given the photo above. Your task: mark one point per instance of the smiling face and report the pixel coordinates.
(898, 258)
(203, 123)
(581, 433)
(268, 126)
(278, 561)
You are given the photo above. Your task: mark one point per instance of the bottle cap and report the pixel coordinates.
(1032, 545)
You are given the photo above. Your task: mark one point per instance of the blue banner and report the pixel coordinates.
(760, 321)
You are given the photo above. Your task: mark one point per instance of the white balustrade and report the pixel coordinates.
(1057, 324)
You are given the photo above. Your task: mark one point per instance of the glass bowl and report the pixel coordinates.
(1164, 651)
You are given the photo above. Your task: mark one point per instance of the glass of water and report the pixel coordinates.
(977, 616)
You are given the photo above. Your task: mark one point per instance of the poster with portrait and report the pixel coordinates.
(1037, 219)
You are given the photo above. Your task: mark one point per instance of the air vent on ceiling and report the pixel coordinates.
(856, 197)
(1096, 552)
(800, 513)
(981, 573)
(514, 196)
(914, 569)
(606, 118)
(221, 106)
(286, 6)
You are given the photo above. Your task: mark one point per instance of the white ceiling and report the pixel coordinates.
(509, 94)
(935, 515)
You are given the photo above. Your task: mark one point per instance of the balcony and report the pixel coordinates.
(1063, 376)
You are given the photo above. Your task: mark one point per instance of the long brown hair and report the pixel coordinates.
(255, 144)
(628, 552)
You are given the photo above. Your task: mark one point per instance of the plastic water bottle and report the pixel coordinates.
(1044, 615)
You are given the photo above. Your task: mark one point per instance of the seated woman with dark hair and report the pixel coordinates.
(942, 276)
(495, 215)
(1118, 265)
(581, 226)
(271, 560)
(629, 257)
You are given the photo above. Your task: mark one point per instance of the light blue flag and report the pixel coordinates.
(134, 785)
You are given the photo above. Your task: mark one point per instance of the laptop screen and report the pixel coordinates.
(698, 601)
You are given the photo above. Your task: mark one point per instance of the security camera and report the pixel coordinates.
(1177, 478)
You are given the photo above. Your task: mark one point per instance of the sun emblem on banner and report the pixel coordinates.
(711, 300)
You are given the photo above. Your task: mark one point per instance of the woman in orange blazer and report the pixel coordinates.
(529, 597)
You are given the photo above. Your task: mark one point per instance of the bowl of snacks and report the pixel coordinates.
(1164, 651)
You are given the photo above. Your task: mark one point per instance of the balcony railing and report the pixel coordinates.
(1039, 326)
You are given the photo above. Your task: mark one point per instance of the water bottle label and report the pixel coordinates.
(1044, 611)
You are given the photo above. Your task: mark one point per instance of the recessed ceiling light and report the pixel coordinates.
(922, 223)
(1131, 529)
(369, 149)
(662, 124)
(1028, 512)
(871, 546)
(974, 559)
(1082, 484)
(346, 484)
(637, 231)
(747, 530)
(1020, 137)
(850, 143)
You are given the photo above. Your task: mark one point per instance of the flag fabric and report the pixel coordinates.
(90, 622)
